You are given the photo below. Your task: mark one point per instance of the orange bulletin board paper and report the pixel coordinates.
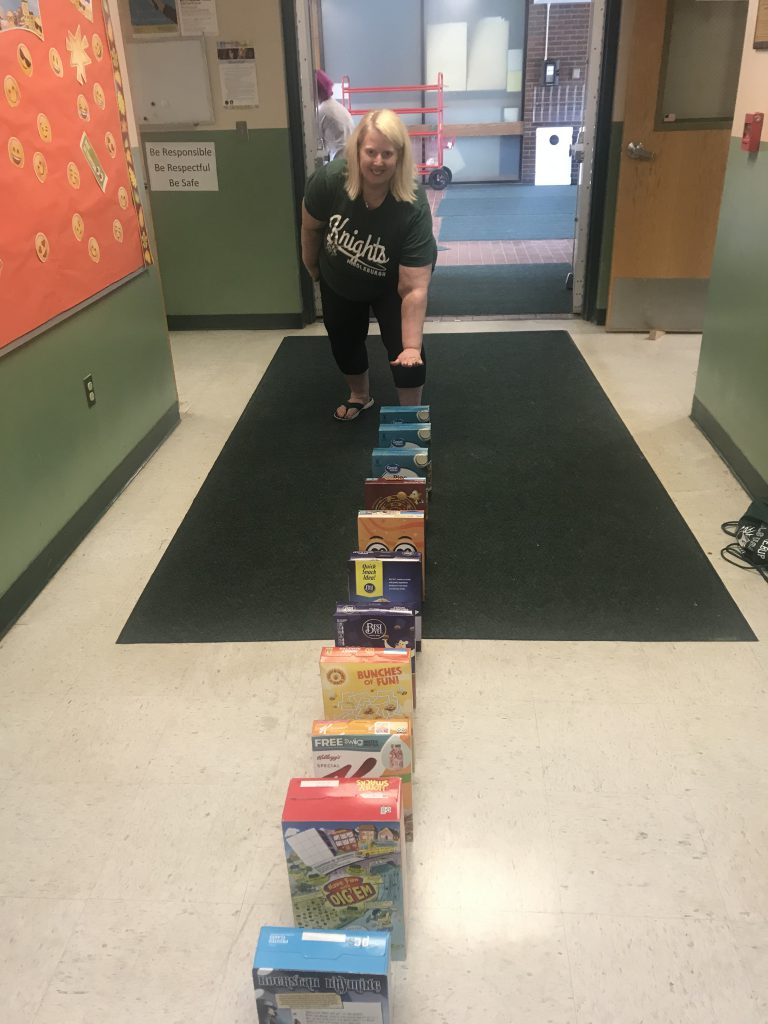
(72, 220)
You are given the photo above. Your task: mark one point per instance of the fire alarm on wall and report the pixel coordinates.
(753, 127)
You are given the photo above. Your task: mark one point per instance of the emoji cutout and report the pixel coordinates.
(15, 152)
(122, 198)
(78, 227)
(41, 247)
(98, 96)
(44, 128)
(109, 142)
(93, 249)
(83, 110)
(40, 167)
(24, 58)
(117, 230)
(54, 59)
(73, 175)
(121, 103)
(98, 47)
(12, 91)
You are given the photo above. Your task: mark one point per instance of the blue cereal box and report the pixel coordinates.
(405, 435)
(365, 626)
(385, 578)
(404, 414)
(404, 462)
(336, 977)
(345, 850)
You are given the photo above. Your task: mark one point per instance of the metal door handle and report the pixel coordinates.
(637, 151)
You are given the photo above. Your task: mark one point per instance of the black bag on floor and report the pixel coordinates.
(751, 532)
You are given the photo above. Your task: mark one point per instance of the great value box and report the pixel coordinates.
(366, 749)
(333, 977)
(407, 462)
(366, 682)
(405, 435)
(345, 851)
(404, 414)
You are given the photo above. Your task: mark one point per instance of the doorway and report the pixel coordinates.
(514, 102)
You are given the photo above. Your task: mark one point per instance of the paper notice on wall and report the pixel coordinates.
(487, 63)
(198, 17)
(447, 53)
(237, 74)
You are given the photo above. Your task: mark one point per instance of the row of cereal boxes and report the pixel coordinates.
(344, 830)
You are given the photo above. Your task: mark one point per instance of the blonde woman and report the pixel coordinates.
(366, 236)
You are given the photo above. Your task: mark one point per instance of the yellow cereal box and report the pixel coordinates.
(366, 682)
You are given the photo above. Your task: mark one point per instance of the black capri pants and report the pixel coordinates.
(347, 325)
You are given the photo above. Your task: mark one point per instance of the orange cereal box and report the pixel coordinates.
(366, 682)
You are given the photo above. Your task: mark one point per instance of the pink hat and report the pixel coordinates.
(324, 85)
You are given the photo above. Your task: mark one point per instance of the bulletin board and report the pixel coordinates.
(73, 223)
(170, 82)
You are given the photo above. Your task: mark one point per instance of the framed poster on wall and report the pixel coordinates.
(75, 224)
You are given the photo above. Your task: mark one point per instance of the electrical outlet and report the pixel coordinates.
(90, 391)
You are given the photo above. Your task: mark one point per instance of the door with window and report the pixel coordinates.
(681, 91)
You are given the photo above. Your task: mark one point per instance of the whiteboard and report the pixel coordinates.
(169, 82)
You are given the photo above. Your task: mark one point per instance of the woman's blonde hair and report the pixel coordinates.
(403, 183)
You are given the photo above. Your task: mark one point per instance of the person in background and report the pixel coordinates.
(335, 121)
(366, 236)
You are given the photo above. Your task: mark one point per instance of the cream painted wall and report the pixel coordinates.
(256, 22)
(753, 82)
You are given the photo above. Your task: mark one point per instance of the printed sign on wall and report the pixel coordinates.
(74, 224)
(182, 166)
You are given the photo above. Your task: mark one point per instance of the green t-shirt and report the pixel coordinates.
(363, 249)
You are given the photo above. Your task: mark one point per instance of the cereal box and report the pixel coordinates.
(366, 749)
(407, 462)
(404, 414)
(386, 578)
(366, 682)
(402, 532)
(330, 977)
(405, 435)
(345, 850)
(396, 494)
(366, 626)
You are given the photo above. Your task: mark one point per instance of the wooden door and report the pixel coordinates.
(667, 207)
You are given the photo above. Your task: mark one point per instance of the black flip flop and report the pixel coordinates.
(359, 406)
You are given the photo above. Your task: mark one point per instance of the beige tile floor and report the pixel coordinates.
(591, 818)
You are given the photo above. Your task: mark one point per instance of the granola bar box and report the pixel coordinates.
(332, 976)
(345, 851)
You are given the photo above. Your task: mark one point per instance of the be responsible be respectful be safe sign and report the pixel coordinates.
(182, 166)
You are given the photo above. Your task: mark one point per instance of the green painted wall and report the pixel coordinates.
(55, 450)
(233, 251)
(732, 381)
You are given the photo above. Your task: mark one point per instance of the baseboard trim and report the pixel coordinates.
(729, 452)
(34, 578)
(236, 322)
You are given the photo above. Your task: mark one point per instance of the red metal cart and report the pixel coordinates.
(428, 139)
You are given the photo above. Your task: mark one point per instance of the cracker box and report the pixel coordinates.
(366, 749)
(407, 462)
(363, 626)
(396, 494)
(404, 414)
(401, 532)
(405, 435)
(301, 977)
(345, 850)
(366, 682)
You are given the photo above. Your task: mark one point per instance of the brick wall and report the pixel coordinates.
(560, 104)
